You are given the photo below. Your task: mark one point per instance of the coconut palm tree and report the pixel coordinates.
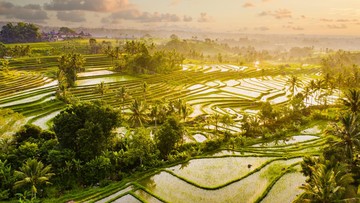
(123, 95)
(352, 100)
(177, 104)
(145, 88)
(154, 113)
(312, 87)
(215, 118)
(101, 88)
(226, 120)
(138, 114)
(306, 92)
(319, 85)
(349, 134)
(33, 173)
(293, 83)
(186, 110)
(339, 81)
(327, 184)
(328, 79)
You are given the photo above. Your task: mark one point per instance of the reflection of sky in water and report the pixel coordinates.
(93, 81)
(286, 141)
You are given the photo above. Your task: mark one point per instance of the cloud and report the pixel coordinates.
(204, 18)
(71, 16)
(243, 29)
(297, 28)
(88, 5)
(343, 20)
(334, 26)
(262, 28)
(278, 14)
(346, 20)
(326, 20)
(187, 19)
(248, 5)
(136, 15)
(30, 12)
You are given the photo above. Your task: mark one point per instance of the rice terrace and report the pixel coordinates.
(132, 115)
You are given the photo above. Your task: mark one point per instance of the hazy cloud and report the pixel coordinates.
(204, 18)
(326, 20)
(136, 15)
(347, 20)
(278, 14)
(30, 12)
(71, 16)
(261, 28)
(334, 26)
(243, 29)
(187, 19)
(248, 5)
(293, 27)
(88, 5)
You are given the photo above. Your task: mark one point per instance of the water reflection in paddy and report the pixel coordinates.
(287, 141)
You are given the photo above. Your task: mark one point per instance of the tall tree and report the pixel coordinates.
(33, 173)
(145, 88)
(101, 88)
(86, 128)
(138, 115)
(306, 92)
(70, 65)
(215, 118)
(169, 135)
(293, 83)
(352, 100)
(19, 33)
(349, 134)
(122, 95)
(326, 184)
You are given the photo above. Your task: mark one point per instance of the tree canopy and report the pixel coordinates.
(21, 32)
(86, 128)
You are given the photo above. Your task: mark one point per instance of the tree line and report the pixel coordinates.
(20, 33)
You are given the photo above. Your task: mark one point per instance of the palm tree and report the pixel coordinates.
(178, 106)
(138, 113)
(352, 100)
(339, 81)
(69, 65)
(293, 82)
(101, 88)
(123, 95)
(226, 121)
(154, 113)
(349, 134)
(328, 79)
(326, 184)
(145, 88)
(312, 87)
(186, 110)
(306, 92)
(215, 118)
(319, 84)
(33, 173)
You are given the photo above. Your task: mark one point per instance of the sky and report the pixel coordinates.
(320, 17)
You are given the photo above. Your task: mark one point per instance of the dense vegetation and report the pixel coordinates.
(19, 33)
(112, 132)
